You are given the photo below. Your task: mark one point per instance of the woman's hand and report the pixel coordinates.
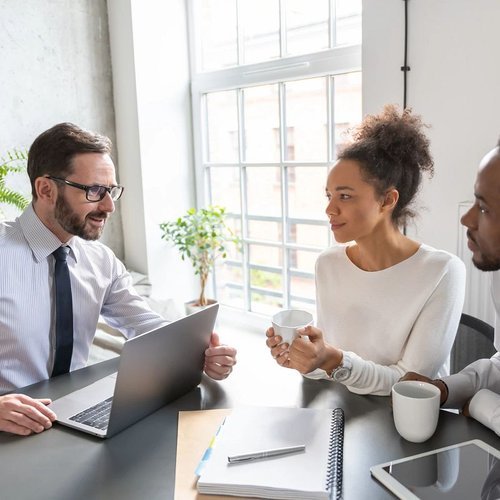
(307, 352)
(279, 349)
(310, 351)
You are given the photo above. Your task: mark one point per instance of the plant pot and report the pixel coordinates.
(194, 306)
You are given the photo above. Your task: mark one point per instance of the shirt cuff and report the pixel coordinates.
(484, 407)
(460, 390)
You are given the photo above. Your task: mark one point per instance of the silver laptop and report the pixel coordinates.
(154, 369)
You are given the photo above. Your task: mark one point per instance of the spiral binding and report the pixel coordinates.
(334, 472)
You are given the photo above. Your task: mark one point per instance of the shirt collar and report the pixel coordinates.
(41, 240)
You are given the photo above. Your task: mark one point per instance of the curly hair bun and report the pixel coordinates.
(393, 152)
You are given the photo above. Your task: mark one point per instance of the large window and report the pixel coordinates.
(275, 85)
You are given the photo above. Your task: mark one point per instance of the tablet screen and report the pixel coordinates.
(463, 472)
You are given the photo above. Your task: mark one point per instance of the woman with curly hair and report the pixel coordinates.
(386, 304)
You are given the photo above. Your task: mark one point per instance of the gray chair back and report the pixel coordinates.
(474, 341)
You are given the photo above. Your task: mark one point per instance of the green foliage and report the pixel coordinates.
(14, 161)
(201, 236)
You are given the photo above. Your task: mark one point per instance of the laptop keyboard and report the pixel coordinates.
(96, 416)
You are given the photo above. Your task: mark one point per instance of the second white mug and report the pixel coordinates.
(415, 406)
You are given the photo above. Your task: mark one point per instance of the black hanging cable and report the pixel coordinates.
(405, 68)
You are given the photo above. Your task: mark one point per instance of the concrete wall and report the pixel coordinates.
(55, 66)
(454, 84)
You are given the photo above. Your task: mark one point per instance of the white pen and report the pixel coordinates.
(274, 452)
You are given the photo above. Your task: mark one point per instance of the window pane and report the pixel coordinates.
(217, 20)
(307, 234)
(306, 192)
(264, 230)
(263, 191)
(229, 279)
(348, 13)
(260, 24)
(302, 260)
(265, 255)
(222, 127)
(347, 105)
(303, 287)
(306, 306)
(306, 106)
(266, 280)
(306, 26)
(234, 252)
(225, 188)
(265, 304)
(261, 112)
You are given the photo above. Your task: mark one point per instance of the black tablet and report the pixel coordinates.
(464, 471)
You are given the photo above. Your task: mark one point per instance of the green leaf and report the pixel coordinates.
(14, 161)
(201, 236)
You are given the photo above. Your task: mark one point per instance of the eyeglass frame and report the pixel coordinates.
(87, 188)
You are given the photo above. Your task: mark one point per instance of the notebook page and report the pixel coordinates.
(292, 476)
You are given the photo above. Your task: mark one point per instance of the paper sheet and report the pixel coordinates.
(195, 429)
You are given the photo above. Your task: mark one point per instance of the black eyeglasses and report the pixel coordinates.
(95, 192)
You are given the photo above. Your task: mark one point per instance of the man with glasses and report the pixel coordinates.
(56, 280)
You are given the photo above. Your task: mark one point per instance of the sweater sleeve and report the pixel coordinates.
(429, 342)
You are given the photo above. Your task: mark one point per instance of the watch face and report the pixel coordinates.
(341, 374)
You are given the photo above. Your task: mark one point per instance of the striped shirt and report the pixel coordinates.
(100, 286)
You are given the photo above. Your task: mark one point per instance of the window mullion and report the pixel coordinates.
(243, 198)
(284, 194)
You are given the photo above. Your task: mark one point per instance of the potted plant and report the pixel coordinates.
(201, 236)
(12, 163)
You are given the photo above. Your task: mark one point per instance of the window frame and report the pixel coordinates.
(329, 62)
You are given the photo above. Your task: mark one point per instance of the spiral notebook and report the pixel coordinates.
(315, 473)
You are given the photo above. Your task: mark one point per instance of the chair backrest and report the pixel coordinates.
(474, 341)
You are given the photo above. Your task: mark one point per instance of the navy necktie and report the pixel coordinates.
(64, 313)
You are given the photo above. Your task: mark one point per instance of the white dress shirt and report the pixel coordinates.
(100, 286)
(481, 379)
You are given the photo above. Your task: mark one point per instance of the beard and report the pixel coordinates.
(481, 261)
(74, 224)
(485, 264)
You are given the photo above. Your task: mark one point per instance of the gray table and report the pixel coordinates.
(139, 463)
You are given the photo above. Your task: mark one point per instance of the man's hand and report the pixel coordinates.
(20, 414)
(219, 359)
(465, 409)
(422, 378)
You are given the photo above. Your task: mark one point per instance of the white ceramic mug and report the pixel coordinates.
(415, 406)
(287, 322)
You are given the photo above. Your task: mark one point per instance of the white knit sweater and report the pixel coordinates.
(388, 322)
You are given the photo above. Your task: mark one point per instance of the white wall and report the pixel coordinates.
(152, 101)
(454, 83)
(55, 66)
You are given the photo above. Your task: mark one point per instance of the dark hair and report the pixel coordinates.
(53, 151)
(392, 151)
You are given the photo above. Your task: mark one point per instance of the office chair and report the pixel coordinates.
(474, 341)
